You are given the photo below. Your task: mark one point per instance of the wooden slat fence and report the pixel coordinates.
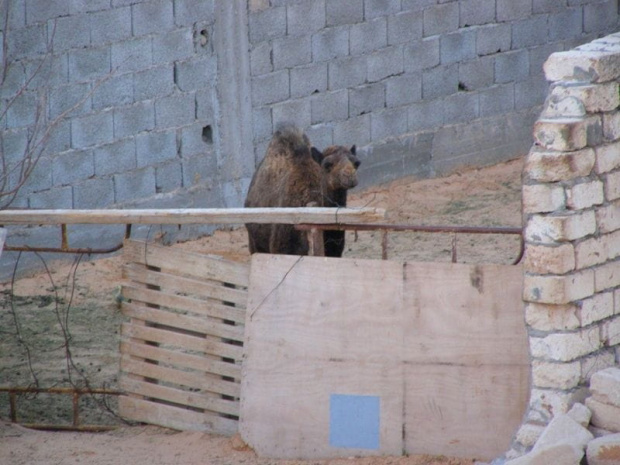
(182, 347)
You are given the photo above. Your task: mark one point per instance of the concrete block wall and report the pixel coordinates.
(571, 208)
(423, 87)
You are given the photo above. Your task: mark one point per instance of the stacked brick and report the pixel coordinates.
(571, 202)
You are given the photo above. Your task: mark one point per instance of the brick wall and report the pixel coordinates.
(571, 202)
(175, 100)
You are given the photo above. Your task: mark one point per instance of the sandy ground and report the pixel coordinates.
(78, 302)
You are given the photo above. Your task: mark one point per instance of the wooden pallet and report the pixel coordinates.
(181, 349)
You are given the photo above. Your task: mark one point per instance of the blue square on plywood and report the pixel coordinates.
(354, 421)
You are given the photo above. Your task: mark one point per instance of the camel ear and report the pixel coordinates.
(316, 155)
(353, 149)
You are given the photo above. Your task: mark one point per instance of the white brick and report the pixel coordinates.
(560, 228)
(595, 97)
(607, 276)
(529, 433)
(547, 403)
(563, 453)
(608, 217)
(604, 450)
(611, 126)
(581, 414)
(565, 347)
(607, 157)
(590, 252)
(543, 198)
(563, 429)
(545, 317)
(612, 186)
(596, 308)
(557, 106)
(555, 375)
(588, 66)
(560, 166)
(564, 134)
(610, 332)
(605, 386)
(558, 289)
(584, 195)
(594, 363)
(604, 415)
(544, 259)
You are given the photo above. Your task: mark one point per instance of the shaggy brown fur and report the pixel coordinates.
(289, 176)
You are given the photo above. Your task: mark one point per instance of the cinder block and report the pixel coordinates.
(330, 106)
(110, 25)
(461, 107)
(611, 126)
(607, 276)
(132, 185)
(555, 375)
(262, 123)
(153, 17)
(584, 195)
(201, 168)
(558, 289)
(509, 10)
(82, 6)
(480, 74)
(94, 129)
(607, 157)
(29, 42)
(440, 19)
(600, 16)
(612, 186)
(114, 91)
(305, 17)
(307, 80)
(58, 197)
(388, 123)
(346, 73)
(440, 81)
(366, 99)
(475, 12)
(512, 66)
(404, 27)
(497, 100)
(355, 130)
(331, 43)
(155, 147)
(560, 228)
(173, 46)
(403, 89)
(69, 32)
(72, 166)
(186, 12)
(132, 55)
(422, 54)
(153, 82)
(458, 46)
(530, 93)
(72, 99)
(604, 450)
(93, 193)
(543, 259)
(192, 141)
(38, 11)
(59, 139)
(297, 111)
(530, 32)
(339, 12)
(291, 51)
(376, 8)
(133, 119)
(596, 308)
(196, 74)
(550, 317)
(608, 218)
(493, 38)
(267, 24)
(175, 110)
(321, 135)
(270, 88)
(558, 166)
(540, 198)
(168, 176)
(565, 347)
(89, 64)
(384, 63)
(260, 59)
(566, 134)
(117, 157)
(40, 178)
(573, 65)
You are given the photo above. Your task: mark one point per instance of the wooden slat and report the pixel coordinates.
(161, 336)
(140, 274)
(186, 263)
(182, 360)
(190, 323)
(173, 417)
(182, 378)
(177, 396)
(313, 215)
(183, 303)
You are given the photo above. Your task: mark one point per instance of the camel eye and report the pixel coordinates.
(328, 165)
(357, 164)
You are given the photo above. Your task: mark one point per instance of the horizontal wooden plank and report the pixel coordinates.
(140, 274)
(313, 215)
(174, 417)
(190, 398)
(188, 342)
(184, 303)
(206, 326)
(182, 360)
(181, 262)
(183, 378)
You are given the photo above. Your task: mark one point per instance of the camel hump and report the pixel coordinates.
(290, 139)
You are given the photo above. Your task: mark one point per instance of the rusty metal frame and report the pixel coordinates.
(75, 392)
(386, 228)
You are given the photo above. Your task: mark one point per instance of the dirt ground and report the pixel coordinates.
(78, 302)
